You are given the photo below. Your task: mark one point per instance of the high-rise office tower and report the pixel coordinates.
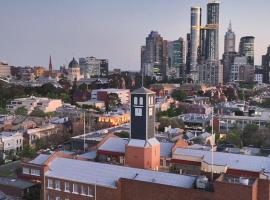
(188, 54)
(266, 66)
(229, 41)
(212, 34)
(196, 17)
(178, 61)
(246, 48)
(176, 58)
(229, 53)
(152, 56)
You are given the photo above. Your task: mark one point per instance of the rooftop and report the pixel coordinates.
(40, 159)
(16, 183)
(142, 90)
(107, 175)
(232, 161)
(114, 144)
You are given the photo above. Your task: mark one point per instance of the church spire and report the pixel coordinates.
(50, 64)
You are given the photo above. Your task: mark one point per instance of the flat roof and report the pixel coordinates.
(107, 175)
(16, 183)
(232, 161)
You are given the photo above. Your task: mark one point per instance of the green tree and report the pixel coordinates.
(235, 137)
(179, 95)
(112, 101)
(122, 134)
(21, 111)
(27, 152)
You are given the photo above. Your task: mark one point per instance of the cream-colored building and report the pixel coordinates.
(74, 72)
(11, 141)
(38, 133)
(31, 103)
(4, 69)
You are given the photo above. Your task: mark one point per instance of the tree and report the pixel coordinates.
(179, 95)
(173, 122)
(28, 152)
(122, 134)
(21, 111)
(40, 144)
(112, 101)
(235, 137)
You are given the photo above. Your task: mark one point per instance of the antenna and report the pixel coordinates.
(142, 75)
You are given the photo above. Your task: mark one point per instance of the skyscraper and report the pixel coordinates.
(212, 34)
(176, 58)
(196, 18)
(246, 48)
(188, 54)
(195, 35)
(229, 41)
(266, 66)
(229, 53)
(152, 56)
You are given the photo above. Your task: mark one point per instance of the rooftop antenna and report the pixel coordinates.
(142, 75)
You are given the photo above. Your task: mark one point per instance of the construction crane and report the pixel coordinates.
(207, 27)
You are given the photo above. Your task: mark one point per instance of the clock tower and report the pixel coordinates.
(143, 149)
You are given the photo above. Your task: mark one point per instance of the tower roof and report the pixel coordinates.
(142, 90)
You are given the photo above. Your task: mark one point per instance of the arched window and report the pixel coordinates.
(135, 101)
(141, 101)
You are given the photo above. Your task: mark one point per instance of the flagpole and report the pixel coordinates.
(212, 147)
(84, 131)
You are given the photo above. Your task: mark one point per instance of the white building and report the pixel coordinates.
(31, 103)
(4, 70)
(74, 72)
(258, 78)
(101, 94)
(11, 141)
(91, 66)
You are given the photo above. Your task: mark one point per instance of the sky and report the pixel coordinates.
(32, 30)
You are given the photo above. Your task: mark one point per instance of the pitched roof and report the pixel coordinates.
(142, 90)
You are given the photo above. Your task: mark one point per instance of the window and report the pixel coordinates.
(57, 198)
(67, 187)
(90, 192)
(57, 185)
(135, 101)
(150, 111)
(75, 188)
(26, 170)
(138, 112)
(141, 101)
(50, 183)
(84, 190)
(35, 172)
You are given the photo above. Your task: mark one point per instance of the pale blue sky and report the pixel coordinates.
(31, 30)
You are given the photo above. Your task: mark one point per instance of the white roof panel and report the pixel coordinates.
(106, 175)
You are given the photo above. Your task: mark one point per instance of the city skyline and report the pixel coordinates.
(113, 30)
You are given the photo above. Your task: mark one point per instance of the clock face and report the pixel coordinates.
(138, 112)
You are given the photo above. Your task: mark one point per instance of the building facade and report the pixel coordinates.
(266, 66)
(4, 70)
(246, 48)
(93, 67)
